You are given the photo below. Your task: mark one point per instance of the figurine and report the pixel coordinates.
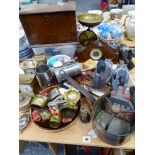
(121, 93)
(120, 76)
(126, 56)
(123, 54)
(84, 116)
(103, 73)
(121, 98)
(24, 121)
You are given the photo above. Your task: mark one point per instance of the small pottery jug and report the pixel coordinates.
(130, 25)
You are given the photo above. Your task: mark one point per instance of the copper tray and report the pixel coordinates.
(46, 126)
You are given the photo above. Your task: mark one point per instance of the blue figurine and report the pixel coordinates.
(120, 76)
(103, 73)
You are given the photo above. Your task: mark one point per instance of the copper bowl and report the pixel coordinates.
(45, 125)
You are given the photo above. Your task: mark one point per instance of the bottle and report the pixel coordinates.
(84, 115)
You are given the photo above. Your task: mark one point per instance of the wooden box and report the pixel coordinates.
(28, 66)
(48, 24)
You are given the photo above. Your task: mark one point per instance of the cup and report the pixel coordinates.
(44, 76)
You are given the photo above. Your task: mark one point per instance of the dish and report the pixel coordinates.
(58, 58)
(90, 19)
(54, 117)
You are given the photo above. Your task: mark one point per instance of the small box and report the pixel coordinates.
(28, 84)
(29, 66)
(40, 59)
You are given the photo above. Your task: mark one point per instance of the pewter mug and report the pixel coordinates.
(44, 76)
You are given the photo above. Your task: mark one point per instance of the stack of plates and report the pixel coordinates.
(25, 54)
(24, 101)
(24, 48)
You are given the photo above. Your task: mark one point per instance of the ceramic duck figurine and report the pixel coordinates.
(120, 76)
(103, 73)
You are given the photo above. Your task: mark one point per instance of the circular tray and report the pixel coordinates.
(46, 126)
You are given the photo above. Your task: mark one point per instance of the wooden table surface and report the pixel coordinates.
(128, 42)
(71, 135)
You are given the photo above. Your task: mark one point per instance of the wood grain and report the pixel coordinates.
(72, 135)
(128, 42)
(42, 8)
(107, 52)
(50, 27)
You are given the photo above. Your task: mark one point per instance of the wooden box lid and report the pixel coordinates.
(47, 8)
(49, 23)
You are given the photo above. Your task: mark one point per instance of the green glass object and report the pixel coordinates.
(39, 101)
(55, 121)
(69, 109)
(45, 115)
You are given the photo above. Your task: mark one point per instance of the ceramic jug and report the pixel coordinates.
(130, 25)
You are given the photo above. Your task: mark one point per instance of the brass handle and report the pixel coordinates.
(125, 24)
